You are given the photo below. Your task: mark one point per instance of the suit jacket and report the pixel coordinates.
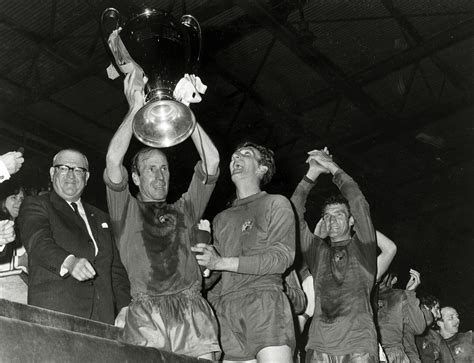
(50, 231)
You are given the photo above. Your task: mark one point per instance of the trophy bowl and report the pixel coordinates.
(165, 49)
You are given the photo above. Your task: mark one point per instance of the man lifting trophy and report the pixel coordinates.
(154, 236)
(165, 51)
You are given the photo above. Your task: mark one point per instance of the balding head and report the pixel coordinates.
(67, 152)
(69, 174)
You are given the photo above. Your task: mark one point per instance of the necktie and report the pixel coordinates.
(92, 240)
(76, 209)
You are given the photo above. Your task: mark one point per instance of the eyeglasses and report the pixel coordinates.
(77, 170)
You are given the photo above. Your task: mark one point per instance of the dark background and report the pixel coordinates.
(386, 85)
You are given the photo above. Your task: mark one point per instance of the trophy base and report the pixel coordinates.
(163, 123)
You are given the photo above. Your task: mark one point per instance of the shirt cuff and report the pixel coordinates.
(117, 187)
(4, 174)
(2, 247)
(65, 267)
(205, 178)
(308, 180)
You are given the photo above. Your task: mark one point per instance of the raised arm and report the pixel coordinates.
(206, 149)
(300, 196)
(359, 207)
(388, 251)
(413, 314)
(134, 92)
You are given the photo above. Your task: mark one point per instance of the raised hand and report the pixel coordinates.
(415, 280)
(321, 230)
(134, 89)
(324, 159)
(315, 168)
(13, 161)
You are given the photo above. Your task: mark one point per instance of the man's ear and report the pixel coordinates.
(51, 173)
(261, 170)
(136, 179)
(351, 221)
(87, 177)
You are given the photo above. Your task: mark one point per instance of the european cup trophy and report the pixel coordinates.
(165, 49)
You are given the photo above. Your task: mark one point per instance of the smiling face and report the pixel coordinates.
(245, 165)
(153, 176)
(338, 222)
(449, 323)
(69, 184)
(13, 203)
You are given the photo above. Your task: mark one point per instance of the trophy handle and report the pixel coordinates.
(195, 36)
(110, 13)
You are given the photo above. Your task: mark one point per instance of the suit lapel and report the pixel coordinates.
(92, 219)
(65, 209)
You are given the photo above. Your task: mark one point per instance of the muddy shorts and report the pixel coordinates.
(182, 323)
(253, 320)
(316, 357)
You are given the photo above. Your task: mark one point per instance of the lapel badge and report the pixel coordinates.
(104, 225)
(247, 225)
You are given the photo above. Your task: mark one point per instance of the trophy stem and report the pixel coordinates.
(159, 94)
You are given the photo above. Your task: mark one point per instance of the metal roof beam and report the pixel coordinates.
(46, 45)
(295, 121)
(312, 56)
(438, 42)
(402, 20)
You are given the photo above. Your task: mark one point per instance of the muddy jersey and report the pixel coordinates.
(461, 347)
(154, 238)
(260, 230)
(344, 274)
(432, 347)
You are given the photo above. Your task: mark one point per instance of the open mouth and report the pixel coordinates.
(237, 168)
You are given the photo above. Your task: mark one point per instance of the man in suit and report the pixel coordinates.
(73, 261)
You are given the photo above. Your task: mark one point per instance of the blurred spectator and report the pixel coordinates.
(398, 310)
(460, 345)
(431, 346)
(10, 163)
(13, 254)
(409, 343)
